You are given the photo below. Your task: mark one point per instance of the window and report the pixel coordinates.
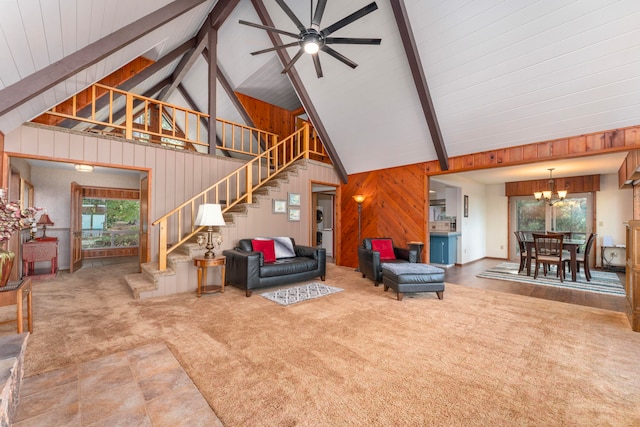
(573, 214)
(110, 223)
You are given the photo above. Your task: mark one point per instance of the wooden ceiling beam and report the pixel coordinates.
(411, 50)
(304, 97)
(216, 18)
(37, 83)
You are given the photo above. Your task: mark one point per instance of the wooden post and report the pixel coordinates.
(249, 167)
(129, 115)
(162, 250)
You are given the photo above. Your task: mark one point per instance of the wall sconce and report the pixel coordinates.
(84, 168)
(210, 215)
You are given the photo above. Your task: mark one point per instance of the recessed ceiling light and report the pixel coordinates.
(84, 168)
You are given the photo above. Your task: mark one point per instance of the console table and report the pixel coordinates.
(203, 263)
(40, 250)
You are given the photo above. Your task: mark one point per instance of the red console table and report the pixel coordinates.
(40, 250)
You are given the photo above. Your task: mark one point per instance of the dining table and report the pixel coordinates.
(570, 245)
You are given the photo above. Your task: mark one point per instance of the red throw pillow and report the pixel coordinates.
(267, 248)
(385, 247)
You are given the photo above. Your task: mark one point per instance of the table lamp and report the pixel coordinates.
(44, 221)
(209, 215)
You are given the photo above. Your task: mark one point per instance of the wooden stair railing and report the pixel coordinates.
(178, 226)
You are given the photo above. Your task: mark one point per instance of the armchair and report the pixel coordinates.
(376, 251)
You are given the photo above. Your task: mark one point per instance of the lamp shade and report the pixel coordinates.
(210, 214)
(45, 220)
(359, 198)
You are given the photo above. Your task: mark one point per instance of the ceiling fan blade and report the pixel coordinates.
(266, 28)
(317, 16)
(293, 61)
(340, 57)
(291, 15)
(271, 49)
(316, 63)
(349, 19)
(351, 40)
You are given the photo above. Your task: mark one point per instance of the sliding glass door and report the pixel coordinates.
(574, 214)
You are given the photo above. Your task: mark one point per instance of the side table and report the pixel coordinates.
(14, 293)
(418, 247)
(203, 263)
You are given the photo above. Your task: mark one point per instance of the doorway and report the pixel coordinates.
(323, 218)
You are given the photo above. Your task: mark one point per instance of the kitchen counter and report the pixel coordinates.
(445, 233)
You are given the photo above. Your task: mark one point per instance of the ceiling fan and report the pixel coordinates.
(312, 40)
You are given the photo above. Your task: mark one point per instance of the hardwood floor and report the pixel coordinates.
(466, 275)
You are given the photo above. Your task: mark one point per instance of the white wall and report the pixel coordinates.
(614, 206)
(497, 245)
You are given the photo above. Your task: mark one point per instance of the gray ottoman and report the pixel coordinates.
(411, 277)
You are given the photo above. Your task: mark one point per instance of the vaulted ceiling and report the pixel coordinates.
(500, 72)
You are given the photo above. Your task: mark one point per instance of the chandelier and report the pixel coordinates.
(548, 196)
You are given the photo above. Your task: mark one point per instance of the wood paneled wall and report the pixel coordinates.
(268, 117)
(582, 145)
(397, 206)
(574, 184)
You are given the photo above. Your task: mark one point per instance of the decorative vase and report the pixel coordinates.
(6, 263)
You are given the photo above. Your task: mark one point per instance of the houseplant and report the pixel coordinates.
(12, 219)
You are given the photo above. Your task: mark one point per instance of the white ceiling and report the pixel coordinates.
(501, 72)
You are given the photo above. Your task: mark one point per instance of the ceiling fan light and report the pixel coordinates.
(311, 47)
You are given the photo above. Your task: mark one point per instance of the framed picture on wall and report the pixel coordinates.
(279, 206)
(466, 206)
(294, 214)
(294, 199)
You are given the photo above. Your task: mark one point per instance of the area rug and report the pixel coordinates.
(300, 293)
(602, 282)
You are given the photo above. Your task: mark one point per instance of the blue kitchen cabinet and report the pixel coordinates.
(443, 248)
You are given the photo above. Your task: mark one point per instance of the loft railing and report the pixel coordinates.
(114, 112)
(135, 117)
(178, 226)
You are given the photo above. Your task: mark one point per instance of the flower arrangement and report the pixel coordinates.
(12, 218)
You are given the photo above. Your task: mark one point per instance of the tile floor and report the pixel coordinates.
(145, 386)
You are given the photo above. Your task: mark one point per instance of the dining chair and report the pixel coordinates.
(522, 248)
(583, 257)
(549, 252)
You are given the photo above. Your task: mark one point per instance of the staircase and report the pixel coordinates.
(180, 275)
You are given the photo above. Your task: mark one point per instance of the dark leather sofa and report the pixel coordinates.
(247, 270)
(370, 265)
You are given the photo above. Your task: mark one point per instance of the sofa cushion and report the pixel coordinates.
(385, 247)
(283, 245)
(267, 248)
(286, 266)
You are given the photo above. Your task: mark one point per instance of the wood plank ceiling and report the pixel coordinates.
(500, 73)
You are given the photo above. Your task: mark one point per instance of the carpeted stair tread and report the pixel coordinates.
(138, 283)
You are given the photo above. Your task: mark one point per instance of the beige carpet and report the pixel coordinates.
(359, 357)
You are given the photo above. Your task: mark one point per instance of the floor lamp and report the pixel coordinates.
(359, 198)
